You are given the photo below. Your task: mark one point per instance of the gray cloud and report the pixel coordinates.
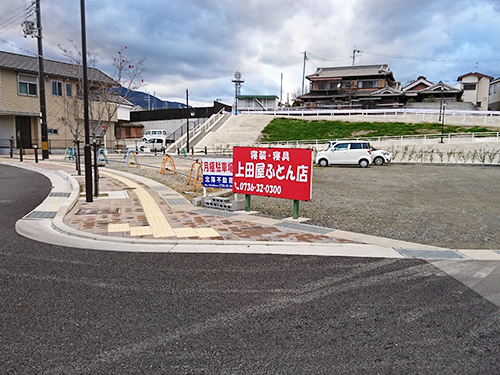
(199, 44)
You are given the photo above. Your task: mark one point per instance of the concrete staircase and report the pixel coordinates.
(237, 129)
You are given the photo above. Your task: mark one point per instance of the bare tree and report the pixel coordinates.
(126, 79)
(106, 94)
(295, 97)
(72, 104)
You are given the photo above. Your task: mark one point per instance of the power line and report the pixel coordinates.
(423, 58)
(18, 15)
(19, 48)
(45, 9)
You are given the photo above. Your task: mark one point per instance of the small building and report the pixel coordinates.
(476, 89)
(256, 102)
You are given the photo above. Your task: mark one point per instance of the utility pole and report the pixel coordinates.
(86, 148)
(281, 91)
(41, 84)
(354, 52)
(304, 71)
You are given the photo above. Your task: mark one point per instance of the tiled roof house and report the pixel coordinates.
(362, 86)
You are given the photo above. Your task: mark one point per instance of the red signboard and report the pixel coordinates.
(273, 172)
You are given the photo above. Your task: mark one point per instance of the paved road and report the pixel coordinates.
(74, 311)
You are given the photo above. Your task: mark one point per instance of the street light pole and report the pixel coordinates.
(86, 148)
(187, 121)
(441, 104)
(442, 123)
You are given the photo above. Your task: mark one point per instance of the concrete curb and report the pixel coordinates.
(367, 246)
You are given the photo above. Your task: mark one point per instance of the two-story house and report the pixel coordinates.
(476, 89)
(20, 103)
(362, 86)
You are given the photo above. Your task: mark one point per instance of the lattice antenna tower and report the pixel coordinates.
(237, 83)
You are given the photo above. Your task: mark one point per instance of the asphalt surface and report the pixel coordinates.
(77, 311)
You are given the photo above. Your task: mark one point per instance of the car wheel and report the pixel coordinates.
(323, 163)
(379, 160)
(363, 163)
(142, 148)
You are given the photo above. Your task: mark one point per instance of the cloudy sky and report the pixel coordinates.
(200, 44)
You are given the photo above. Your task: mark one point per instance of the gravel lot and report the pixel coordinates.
(452, 206)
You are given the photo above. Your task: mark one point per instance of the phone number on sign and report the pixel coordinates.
(257, 188)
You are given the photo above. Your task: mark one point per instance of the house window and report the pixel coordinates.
(469, 86)
(69, 90)
(54, 131)
(322, 86)
(368, 84)
(335, 85)
(57, 89)
(27, 85)
(346, 84)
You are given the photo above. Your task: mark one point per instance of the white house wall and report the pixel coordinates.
(494, 97)
(470, 96)
(482, 93)
(123, 113)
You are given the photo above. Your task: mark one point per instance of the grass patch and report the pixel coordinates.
(286, 129)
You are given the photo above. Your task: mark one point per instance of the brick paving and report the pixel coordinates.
(94, 217)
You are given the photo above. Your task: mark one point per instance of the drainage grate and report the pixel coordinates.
(431, 254)
(176, 202)
(304, 227)
(212, 212)
(41, 215)
(59, 194)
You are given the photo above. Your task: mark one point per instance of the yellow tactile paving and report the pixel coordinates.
(118, 227)
(158, 224)
(207, 232)
(185, 232)
(140, 231)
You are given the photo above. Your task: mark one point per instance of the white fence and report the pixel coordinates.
(423, 115)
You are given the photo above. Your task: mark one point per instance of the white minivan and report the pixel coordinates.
(346, 152)
(154, 134)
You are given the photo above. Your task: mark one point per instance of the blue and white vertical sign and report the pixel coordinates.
(218, 173)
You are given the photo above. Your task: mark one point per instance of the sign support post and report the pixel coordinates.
(247, 202)
(296, 209)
